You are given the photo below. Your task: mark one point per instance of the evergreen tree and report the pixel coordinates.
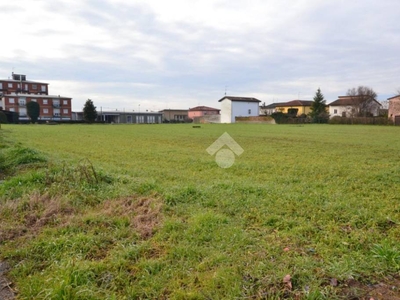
(33, 111)
(318, 108)
(89, 111)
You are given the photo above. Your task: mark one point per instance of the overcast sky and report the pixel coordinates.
(158, 54)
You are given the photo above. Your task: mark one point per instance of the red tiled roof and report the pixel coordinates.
(203, 108)
(272, 105)
(398, 96)
(296, 103)
(240, 99)
(348, 101)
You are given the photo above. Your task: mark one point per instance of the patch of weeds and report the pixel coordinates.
(10, 158)
(146, 188)
(78, 246)
(387, 253)
(83, 174)
(22, 184)
(184, 195)
(69, 279)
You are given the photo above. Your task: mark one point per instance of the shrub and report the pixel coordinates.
(3, 118)
(361, 120)
(10, 158)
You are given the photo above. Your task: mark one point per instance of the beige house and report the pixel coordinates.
(394, 108)
(302, 106)
(169, 115)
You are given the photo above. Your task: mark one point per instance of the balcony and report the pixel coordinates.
(57, 105)
(22, 103)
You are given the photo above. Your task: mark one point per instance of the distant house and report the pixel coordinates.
(179, 115)
(394, 109)
(302, 107)
(352, 106)
(200, 111)
(232, 107)
(268, 110)
(124, 117)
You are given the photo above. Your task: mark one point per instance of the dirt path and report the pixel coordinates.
(6, 292)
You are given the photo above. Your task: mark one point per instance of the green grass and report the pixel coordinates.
(139, 212)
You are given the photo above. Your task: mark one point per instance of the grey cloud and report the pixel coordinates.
(332, 45)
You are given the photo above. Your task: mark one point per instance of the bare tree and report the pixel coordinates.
(363, 100)
(385, 104)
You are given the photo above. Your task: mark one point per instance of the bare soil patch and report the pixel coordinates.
(6, 290)
(386, 290)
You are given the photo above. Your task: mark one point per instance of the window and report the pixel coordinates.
(22, 101)
(33, 100)
(45, 111)
(1, 85)
(34, 86)
(11, 101)
(56, 112)
(65, 102)
(56, 103)
(150, 119)
(12, 109)
(26, 86)
(65, 110)
(22, 112)
(140, 119)
(249, 111)
(10, 85)
(179, 117)
(45, 101)
(43, 88)
(335, 111)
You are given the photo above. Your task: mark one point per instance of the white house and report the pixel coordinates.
(232, 107)
(350, 106)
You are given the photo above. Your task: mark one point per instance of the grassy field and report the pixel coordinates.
(144, 212)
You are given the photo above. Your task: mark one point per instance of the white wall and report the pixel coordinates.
(348, 109)
(339, 111)
(226, 111)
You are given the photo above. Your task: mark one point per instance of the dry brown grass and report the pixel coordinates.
(22, 216)
(144, 213)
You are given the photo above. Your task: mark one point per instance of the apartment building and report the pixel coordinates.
(18, 91)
